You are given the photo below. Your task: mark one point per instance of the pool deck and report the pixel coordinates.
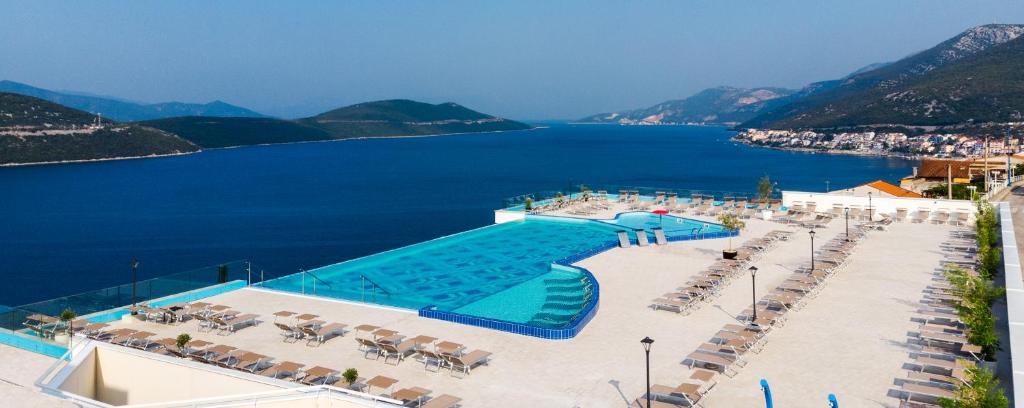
(18, 372)
(849, 340)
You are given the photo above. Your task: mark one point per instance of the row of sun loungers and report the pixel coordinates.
(378, 342)
(726, 352)
(942, 352)
(708, 284)
(230, 357)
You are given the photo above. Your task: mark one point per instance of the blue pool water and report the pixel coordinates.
(501, 272)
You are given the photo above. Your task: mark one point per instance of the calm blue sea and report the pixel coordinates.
(68, 228)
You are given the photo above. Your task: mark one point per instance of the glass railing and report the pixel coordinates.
(96, 305)
(517, 202)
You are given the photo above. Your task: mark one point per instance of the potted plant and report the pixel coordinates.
(66, 317)
(528, 205)
(764, 193)
(181, 341)
(350, 376)
(730, 222)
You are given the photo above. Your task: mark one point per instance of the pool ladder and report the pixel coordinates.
(373, 287)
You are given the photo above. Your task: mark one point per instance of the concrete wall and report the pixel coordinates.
(119, 377)
(503, 216)
(1014, 303)
(882, 205)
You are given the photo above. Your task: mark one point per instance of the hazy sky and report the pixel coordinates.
(520, 59)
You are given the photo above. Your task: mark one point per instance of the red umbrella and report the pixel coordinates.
(660, 214)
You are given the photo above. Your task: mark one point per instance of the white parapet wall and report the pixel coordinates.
(503, 216)
(1014, 302)
(824, 202)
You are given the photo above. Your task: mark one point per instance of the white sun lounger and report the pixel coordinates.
(641, 237)
(623, 239)
(659, 236)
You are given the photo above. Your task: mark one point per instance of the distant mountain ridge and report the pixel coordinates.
(908, 92)
(34, 130)
(125, 111)
(388, 118)
(719, 105)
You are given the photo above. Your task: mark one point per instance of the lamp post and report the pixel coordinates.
(846, 211)
(811, 232)
(646, 342)
(753, 291)
(871, 209)
(135, 269)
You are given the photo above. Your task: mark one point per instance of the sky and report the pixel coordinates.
(529, 60)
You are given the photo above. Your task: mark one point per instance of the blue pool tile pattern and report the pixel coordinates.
(515, 276)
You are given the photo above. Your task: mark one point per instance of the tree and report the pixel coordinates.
(731, 223)
(350, 376)
(765, 188)
(182, 340)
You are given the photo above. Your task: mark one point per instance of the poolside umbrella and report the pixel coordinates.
(660, 213)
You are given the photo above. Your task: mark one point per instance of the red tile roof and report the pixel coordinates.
(893, 190)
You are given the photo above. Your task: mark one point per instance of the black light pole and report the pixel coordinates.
(812, 249)
(753, 291)
(871, 209)
(135, 268)
(646, 342)
(846, 211)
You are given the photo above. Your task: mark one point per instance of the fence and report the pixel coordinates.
(108, 304)
(573, 191)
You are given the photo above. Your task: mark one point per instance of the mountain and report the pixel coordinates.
(721, 105)
(949, 83)
(227, 132)
(125, 111)
(33, 130)
(370, 119)
(400, 117)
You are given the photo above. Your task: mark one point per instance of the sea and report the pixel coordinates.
(69, 228)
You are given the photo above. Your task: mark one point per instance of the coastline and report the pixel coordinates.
(152, 156)
(832, 152)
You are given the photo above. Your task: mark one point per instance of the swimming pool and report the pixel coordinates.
(504, 272)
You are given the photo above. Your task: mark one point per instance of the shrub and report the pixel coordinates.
(182, 340)
(350, 376)
(977, 296)
(982, 390)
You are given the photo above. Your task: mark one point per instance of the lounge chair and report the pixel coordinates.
(431, 359)
(465, 362)
(659, 236)
(324, 333)
(412, 397)
(623, 239)
(230, 324)
(921, 216)
(368, 347)
(319, 376)
(687, 394)
(710, 361)
(282, 369)
(641, 237)
(925, 392)
(251, 362)
(673, 304)
(288, 332)
(442, 401)
(398, 351)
